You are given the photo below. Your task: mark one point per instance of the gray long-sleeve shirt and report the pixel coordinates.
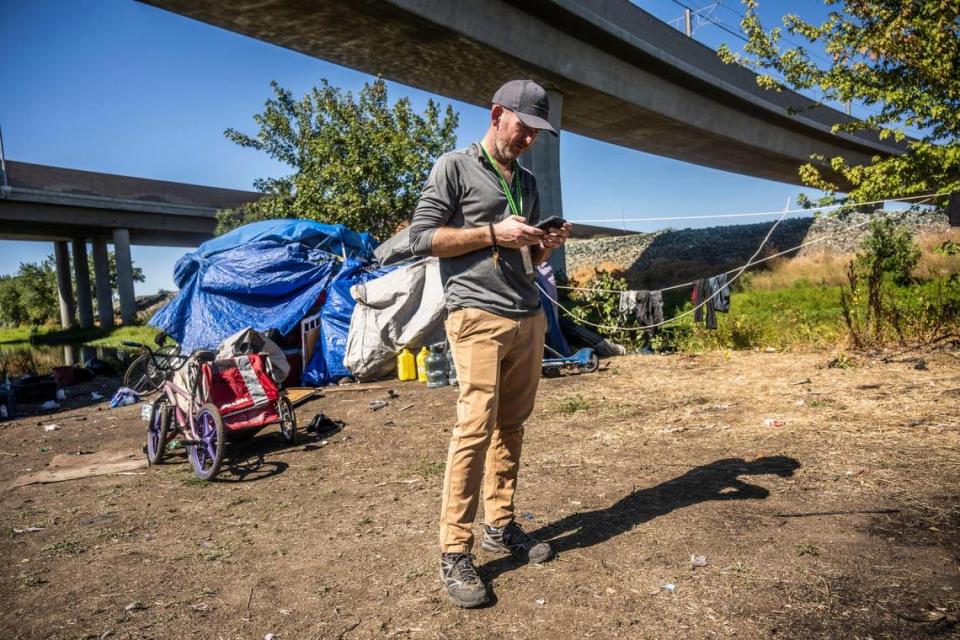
(464, 190)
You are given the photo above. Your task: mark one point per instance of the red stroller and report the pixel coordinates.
(214, 402)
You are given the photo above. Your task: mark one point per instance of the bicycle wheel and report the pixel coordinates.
(288, 420)
(138, 375)
(157, 430)
(207, 455)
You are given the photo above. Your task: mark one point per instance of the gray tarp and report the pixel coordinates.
(404, 308)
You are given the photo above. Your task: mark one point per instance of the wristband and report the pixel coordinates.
(493, 237)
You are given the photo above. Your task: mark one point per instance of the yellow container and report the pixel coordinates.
(422, 364)
(406, 365)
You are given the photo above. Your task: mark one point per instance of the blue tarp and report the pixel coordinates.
(326, 364)
(265, 275)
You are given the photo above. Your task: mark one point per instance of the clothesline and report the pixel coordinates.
(738, 272)
(697, 306)
(759, 213)
(749, 264)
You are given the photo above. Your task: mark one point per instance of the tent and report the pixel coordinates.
(265, 275)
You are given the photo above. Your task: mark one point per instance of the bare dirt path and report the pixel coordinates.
(631, 471)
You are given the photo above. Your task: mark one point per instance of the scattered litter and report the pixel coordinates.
(61, 394)
(200, 606)
(406, 406)
(269, 636)
(50, 404)
(541, 601)
(322, 423)
(669, 587)
(921, 365)
(136, 605)
(804, 381)
(123, 397)
(773, 422)
(376, 405)
(864, 387)
(770, 350)
(576, 503)
(389, 423)
(698, 561)
(284, 612)
(527, 515)
(51, 427)
(28, 530)
(800, 402)
(720, 407)
(96, 396)
(392, 394)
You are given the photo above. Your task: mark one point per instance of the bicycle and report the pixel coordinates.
(202, 402)
(147, 372)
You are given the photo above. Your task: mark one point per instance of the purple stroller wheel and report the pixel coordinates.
(206, 455)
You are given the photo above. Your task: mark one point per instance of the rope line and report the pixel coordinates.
(749, 264)
(697, 306)
(758, 213)
(738, 272)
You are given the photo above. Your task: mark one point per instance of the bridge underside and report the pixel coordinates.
(626, 78)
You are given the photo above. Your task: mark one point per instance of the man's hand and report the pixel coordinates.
(513, 233)
(556, 237)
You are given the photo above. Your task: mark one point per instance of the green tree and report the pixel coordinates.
(901, 57)
(30, 296)
(357, 160)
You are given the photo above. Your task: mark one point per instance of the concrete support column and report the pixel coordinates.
(61, 253)
(543, 159)
(81, 276)
(101, 273)
(121, 249)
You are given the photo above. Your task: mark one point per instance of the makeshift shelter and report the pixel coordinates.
(265, 275)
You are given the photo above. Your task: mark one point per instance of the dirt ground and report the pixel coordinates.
(843, 522)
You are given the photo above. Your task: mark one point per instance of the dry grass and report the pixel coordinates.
(830, 269)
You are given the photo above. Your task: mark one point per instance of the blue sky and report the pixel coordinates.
(121, 87)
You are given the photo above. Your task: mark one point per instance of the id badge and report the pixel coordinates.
(527, 261)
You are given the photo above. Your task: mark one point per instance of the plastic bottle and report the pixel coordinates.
(451, 367)
(421, 364)
(436, 367)
(406, 365)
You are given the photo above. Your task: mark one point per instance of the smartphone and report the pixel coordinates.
(553, 222)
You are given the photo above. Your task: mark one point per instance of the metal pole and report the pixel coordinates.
(688, 22)
(3, 163)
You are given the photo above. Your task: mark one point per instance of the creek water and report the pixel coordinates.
(22, 358)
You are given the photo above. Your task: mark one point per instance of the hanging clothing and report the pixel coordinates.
(645, 306)
(722, 301)
(704, 289)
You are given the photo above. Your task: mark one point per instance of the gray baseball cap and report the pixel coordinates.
(528, 100)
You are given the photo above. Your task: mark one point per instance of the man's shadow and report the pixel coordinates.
(719, 480)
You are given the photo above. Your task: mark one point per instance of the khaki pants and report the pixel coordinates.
(498, 367)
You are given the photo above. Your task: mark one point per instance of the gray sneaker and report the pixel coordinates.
(459, 576)
(514, 540)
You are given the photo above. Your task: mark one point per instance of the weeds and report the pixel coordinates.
(427, 470)
(573, 404)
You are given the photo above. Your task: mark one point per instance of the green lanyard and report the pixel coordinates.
(511, 199)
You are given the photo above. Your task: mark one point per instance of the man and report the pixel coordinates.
(476, 213)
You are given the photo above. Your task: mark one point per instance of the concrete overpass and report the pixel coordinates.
(615, 73)
(67, 206)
